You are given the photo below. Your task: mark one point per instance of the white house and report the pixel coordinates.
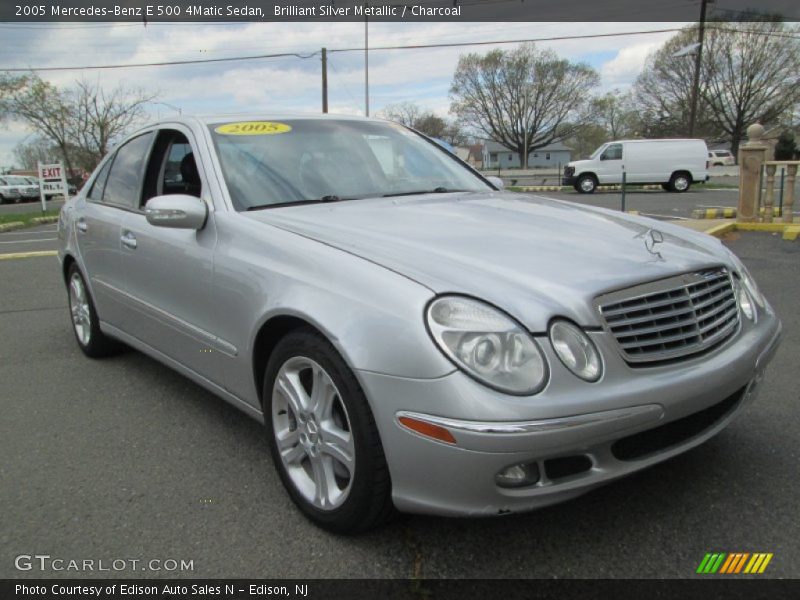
(495, 155)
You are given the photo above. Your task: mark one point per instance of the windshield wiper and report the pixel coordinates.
(438, 190)
(323, 199)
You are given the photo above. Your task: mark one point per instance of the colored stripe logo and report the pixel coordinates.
(734, 563)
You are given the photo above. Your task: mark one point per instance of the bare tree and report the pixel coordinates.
(43, 107)
(752, 73)
(33, 151)
(524, 99)
(425, 121)
(81, 122)
(405, 113)
(749, 72)
(615, 113)
(101, 117)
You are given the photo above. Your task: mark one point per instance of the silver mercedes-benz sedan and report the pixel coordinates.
(412, 337)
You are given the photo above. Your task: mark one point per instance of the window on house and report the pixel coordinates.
(547, 156)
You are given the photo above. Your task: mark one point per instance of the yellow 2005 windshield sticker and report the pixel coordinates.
(253, 128)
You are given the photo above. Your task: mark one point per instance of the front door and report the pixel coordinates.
(169, 271)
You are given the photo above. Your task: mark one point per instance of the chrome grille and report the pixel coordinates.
(672, 318)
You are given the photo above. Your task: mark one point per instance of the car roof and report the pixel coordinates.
(207, 119)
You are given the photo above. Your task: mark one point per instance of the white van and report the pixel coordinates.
(673, 163)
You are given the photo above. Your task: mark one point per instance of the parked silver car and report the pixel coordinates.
(411, 336)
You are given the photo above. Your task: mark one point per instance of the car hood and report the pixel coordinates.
(534, 257)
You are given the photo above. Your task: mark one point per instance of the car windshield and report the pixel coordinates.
(16, 180)
(269, 163)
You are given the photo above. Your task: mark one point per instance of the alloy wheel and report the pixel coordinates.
(313, 433)
(79, 308)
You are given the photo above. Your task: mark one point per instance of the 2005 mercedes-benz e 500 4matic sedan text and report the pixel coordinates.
(412, 337)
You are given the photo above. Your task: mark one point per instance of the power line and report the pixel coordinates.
(166, 63)
(788, 34)
(311, 54)
(519, 41)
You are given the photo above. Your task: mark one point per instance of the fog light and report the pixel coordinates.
(518, 475)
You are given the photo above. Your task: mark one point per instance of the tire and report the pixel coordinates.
(586, 184)
(2, 199)
(83, 315)
(335, 440)
(680, 182)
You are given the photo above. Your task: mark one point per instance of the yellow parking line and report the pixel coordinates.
(14, 255)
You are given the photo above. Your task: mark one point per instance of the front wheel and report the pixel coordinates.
(587, 184)
(322, 436)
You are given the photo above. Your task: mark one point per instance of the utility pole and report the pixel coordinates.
(698, 59)
(324, 80)
(366, 62)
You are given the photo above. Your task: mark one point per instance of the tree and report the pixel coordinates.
(752, 75)
(81, 122)
(42, 106)
(786, 148)
(749, 72)
(33, 151)
(615, 113)
(103, 117)
(405, 113)
(412, 115)
(524, 98)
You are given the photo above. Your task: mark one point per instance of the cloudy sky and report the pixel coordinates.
(422, 76)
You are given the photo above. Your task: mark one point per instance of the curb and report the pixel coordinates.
(726, 213)
(15, 255)
(44, 220)
(541, 188)
(11, 226)
(790, 231)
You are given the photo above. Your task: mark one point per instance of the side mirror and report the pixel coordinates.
(603, 156)
(496, 182)
(176, 210)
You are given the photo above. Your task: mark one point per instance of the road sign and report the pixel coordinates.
(52, 181)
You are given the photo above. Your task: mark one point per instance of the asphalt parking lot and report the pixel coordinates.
(123, 458)
(655, 203)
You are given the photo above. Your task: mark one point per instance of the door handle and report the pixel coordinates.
(82, 226)
(128, 240)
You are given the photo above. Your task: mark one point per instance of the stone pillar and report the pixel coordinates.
(751, 158)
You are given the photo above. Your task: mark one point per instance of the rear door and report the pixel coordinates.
(98, 226)
(169, 271)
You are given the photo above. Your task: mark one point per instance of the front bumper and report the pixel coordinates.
(598, 422)
(570, 180)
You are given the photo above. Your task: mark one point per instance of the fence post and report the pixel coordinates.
(751, 158)
(624, 181)
(788, 201)
(769, 196)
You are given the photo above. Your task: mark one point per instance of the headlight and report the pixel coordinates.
(750, 286)
(743, 298)
(576, 350)
(747, 280)
(487, 345)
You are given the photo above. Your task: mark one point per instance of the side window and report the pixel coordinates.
(172, 168)
(99, 184)
(124, 183)
(613, 152)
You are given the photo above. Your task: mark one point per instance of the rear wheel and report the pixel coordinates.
(587, 184)
(680, 182)
(323, 437)
(85, 324)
